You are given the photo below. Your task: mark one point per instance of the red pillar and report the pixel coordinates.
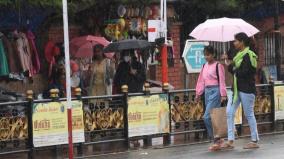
(164, 59)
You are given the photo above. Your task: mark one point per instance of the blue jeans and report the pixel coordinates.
(247, 101)
(212, 100)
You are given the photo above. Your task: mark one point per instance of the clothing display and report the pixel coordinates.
(34, 52)
(19, 56)
(24, 53)
(4, 70)
(12, 55)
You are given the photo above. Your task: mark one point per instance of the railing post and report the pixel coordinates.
(30, 123)
(272, 106)
(147, 89)
(147, 141)
(124, 90)
(78, 94)
(54, 94)
(167, 137)
(55, 97)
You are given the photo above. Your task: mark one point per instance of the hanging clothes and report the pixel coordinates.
(4, 68)
(34, 52)
(25, 53)
(12, 55)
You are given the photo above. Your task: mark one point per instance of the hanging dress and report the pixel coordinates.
(4, 68)
(34, 52)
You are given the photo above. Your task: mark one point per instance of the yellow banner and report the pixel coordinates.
(279, 102)
(148, 115)
(50, 123)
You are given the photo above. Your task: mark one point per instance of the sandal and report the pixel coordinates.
(251, 145)
(227, 146)
(215, 147)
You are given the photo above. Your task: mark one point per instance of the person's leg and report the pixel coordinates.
(212, 100)
(248, 106)
(231, 110)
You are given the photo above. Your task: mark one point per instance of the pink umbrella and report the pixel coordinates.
(83, 46)
(222, 29)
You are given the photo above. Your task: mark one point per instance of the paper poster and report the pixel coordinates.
(148, 115)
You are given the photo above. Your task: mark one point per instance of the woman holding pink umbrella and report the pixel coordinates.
(243, 67)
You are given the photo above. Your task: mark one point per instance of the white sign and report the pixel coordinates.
(154, 29)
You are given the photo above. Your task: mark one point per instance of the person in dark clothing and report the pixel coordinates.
(130, 72)
(57, 84)
(243, 67)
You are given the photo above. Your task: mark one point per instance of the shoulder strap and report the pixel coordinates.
(217, 72)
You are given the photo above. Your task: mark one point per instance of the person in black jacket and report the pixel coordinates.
(243, 67)
(130, 72)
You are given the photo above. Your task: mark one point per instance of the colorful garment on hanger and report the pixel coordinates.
(34, 52)
(4, 68)
(12, 55)
(25, 53)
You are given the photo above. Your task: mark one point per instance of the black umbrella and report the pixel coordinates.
(126, 45)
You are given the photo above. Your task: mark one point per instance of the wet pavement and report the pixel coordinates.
(272, 147)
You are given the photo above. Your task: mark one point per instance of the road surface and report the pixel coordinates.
(272, 147)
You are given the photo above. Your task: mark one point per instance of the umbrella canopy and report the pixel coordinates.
(222, 29)
(126, 45)
(83, 46)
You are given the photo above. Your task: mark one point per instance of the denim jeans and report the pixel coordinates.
(247, 100)
(212, 100)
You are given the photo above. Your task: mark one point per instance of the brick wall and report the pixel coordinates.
(55, 33)
(174, 73)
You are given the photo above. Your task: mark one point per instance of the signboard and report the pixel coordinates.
(50, 123)
(279, 102)
(148, 115)
(154, 30)
(193, 55)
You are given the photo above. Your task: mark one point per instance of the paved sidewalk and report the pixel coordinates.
(272, 147)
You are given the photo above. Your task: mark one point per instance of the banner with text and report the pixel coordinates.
(279, 102)
(50, 123)
(148, 115)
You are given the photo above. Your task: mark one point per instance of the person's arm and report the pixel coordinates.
(246, 68)
(200, 85)
(222, 80)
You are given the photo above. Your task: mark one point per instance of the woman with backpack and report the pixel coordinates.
(211, 82)
(243, 67)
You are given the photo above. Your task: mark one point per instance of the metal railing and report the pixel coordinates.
(106, 122)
